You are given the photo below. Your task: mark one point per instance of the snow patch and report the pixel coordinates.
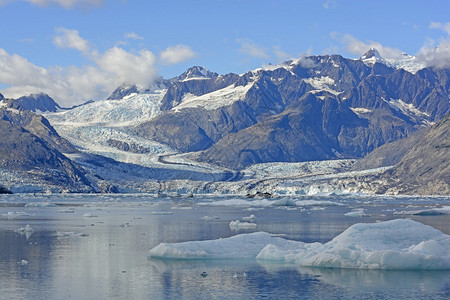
(214, 100)
(323, 83)
(360, 110)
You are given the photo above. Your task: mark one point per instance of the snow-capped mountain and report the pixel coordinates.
(196, 73)
(404, 61)
(312, 108)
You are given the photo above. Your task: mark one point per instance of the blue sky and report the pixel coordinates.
(77, 50)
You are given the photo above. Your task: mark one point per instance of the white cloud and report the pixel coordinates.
(251, 49)
(74, 85)
(64, 3)
(436, 54)
(68, 38)
(280, 54)
(441, 26)
(432, 54)
(127, 67)
(176, 54)
(358, 47)
(133, 36)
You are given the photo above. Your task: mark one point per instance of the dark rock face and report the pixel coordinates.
(123, 91)
(23, 151)
(313, 129)
(4, 190)
(38, 102)
(37, 125)
(388, 154)
(425, 168)
(321, 107)
(127, 146)
(29, 144)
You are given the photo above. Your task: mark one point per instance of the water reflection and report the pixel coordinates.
(71, 256)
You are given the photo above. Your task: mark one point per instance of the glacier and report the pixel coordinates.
(397, 244)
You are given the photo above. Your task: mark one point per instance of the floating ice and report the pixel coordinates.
(250, 218)
(360, 212)
(445, 210)
(70, 234)
(210, 218)
(89, 215)
(241, 246)
(66, 211)
(26, 229)
(268, 203)
(15, 214)
(396, 244)
(23, 262)
(40, 204)
(236, 225)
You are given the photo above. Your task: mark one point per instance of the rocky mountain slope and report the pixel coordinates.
(357, 107)
(38, 103)
(32, 150)
(425, 168)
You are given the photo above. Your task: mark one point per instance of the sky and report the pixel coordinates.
(80, 50)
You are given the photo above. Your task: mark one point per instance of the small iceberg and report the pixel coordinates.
(40, 204)
(360, 212)
(236, 225)
(89, 215)
(23, 262)
(397, 244)
(26, 229)
(250, 218)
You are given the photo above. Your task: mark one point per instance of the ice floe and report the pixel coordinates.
(359, 212)
(26, 229)
(269, 203)
(250, 218)
(236, 225)
(40, 204)
(445, 210)
(23, 262)
(395, 244)
(15, 214)
(89, 215)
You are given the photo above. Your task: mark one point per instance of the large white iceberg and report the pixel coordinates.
(396, 244)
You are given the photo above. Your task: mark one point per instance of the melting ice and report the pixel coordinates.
(396, 244)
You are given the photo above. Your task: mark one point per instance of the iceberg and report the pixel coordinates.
(397, 244)
(241, 246)
(236, 225)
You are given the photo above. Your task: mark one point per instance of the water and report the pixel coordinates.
(95, 247)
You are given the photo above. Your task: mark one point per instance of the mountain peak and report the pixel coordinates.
(197, 72)
(38, 102)
(371, 53)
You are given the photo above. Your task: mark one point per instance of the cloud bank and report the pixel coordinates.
(74, 85)
(251, 49)
(67, 38)
(176, 54)
(432, 54)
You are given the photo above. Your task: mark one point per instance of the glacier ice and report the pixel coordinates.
(395, 244)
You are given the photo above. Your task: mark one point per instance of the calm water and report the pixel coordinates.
(95, 247)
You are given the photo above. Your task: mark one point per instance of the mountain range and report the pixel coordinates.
(313, 108)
